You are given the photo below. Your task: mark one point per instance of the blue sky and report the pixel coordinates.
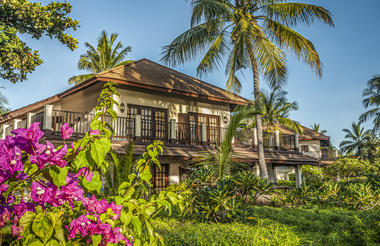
(350, 53)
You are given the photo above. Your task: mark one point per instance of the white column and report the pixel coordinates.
(15, 123)
(296, 142)
(138, 128)
(298, 175)
(203, 133)
(3, 131)
(172, 130)
(277, 139)
(48, 115)
(29, 119)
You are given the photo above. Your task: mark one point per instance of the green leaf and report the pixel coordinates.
(58, 175)
(96, 239)
(81, 160)
(126, 217)
(173, 197)
(99, 150)
(26, 221)
(96, 124)
(149, 227)
(53, 242)
(136, 225)
(146, 175)
(43, 226)
(95, 184)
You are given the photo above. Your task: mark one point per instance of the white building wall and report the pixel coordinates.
(314, 148)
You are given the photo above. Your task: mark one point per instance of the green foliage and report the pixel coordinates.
(348, 168)
(371, 99)
(106, 55)
(223, 199)
(25, 17)
(237, 233)
(139, 207)
(120, 168)
(42, 228)
(326, 226)
(356, 140)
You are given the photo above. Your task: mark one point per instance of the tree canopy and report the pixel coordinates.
(17, 17)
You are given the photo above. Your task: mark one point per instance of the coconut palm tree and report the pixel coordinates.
(3, 104)
(371, 96)
(275, 109)
(316, 127)
(107, 54)
(250, 34)
(356, 140)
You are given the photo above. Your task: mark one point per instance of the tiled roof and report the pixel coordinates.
(146, 72)
(240, 154)
(307, 134)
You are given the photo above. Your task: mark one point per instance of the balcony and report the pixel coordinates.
(143, 131)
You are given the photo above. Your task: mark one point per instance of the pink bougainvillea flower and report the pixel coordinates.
(66, 131)
(51, 156)
(40, 193)
(28, 139)
(93, 205)
(10, 159)
(80, 226)
(94, 132)
(116, 209)
(86, 172)
(5, 215)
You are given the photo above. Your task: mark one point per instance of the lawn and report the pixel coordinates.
(278, 226)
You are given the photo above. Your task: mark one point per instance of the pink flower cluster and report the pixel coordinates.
(91, 223)
(47, 194)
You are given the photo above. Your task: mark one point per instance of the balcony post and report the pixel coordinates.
(15, 123)
(254, 142)
(296, 142)
(138, 128)
(277, 140)
(203, 133)
(48, 116)
(172, 131)
(4, 131)
(29, 119)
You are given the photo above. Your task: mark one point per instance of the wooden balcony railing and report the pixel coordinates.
(127, 128)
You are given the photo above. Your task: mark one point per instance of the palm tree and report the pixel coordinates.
(246, 32)
(106, 55)
(3, 104)
(275, 109)
(222, 160)
(371, 96)
(316, 127)
(356, 140)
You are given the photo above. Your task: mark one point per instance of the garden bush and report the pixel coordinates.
(50, 195)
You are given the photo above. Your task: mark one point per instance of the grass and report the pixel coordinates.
(279, 226)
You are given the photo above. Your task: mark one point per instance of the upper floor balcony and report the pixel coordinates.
(142, 130)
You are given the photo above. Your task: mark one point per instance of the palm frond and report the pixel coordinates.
(292, 14)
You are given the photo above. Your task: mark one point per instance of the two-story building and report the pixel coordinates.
(158, 103)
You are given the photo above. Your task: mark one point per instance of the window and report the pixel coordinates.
(305, 148)
(154, 122)
(160, 177)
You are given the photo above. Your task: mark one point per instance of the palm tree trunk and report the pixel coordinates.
(259, 125)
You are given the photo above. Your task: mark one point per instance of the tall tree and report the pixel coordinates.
(317, 128)
(250, 34)
(275, 109)
(3, 104)
(17, 59)
(371, 100)
(355, 140)
(107, 54)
